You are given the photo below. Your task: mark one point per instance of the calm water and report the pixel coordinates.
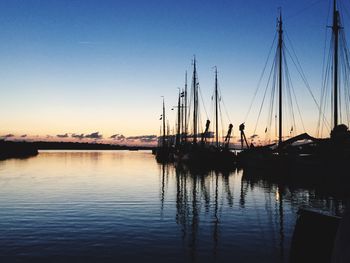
(124, 207)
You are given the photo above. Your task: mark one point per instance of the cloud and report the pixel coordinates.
(143, 138)
(24, 135)
(62, 135)
(118, 137)
(94, 135)
(8, 135)
(253, 136)
(79, 136)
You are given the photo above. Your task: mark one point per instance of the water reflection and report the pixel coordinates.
(197, 193)
(123, 206)
(206, 195)
(297, 196)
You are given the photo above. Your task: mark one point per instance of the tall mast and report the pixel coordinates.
(186, 106)
(280, 62)
(178, 120)
(195, 101)
(335, 28)
(163, 124)
(216, 109)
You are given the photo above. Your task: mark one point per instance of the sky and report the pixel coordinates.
(87, 66)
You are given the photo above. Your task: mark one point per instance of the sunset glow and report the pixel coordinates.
(80, 67)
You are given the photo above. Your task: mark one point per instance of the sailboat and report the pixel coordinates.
(318, 157)
(199, 152)
(335, 150)
(192, 150)
(163, 151)
(269, 155)
(283, 154)
(221, 154)
(331, 155)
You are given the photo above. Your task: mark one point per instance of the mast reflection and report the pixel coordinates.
(206, 204)
(198, 195)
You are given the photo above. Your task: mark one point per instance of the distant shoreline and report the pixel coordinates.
(10, 149)
(85, 146)
(23, 149)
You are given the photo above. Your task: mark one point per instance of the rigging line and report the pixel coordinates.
(261, 77)
(212, 105)
(340, 86)
(272, 73)
(199, 124)
(189, 123)
(303, 77)
(221, 118)
(274, 111)
(293, 92)
(200, 93)
(346, 91)
(300, 70)
(324, 93)
(343, 69)
(262, 103)
(347, 95)
(347, 101)
(344, 55)
(344, 86)
(222, 123)
(213, 115)
(303, 10)
(299, 112)
(330, 7)
(344, 103)
(289, 88)
(324, 67)
(343, 7)
(298, 108)
(220, 112)
(287, 94)
(223, 103)
(272, 96)
(328, 66)
(212, 111)
(346, 50)
(346, 71)
(269, 119)
(324, 49)
(327, 83)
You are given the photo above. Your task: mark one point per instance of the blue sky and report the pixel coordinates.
(85, 66)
